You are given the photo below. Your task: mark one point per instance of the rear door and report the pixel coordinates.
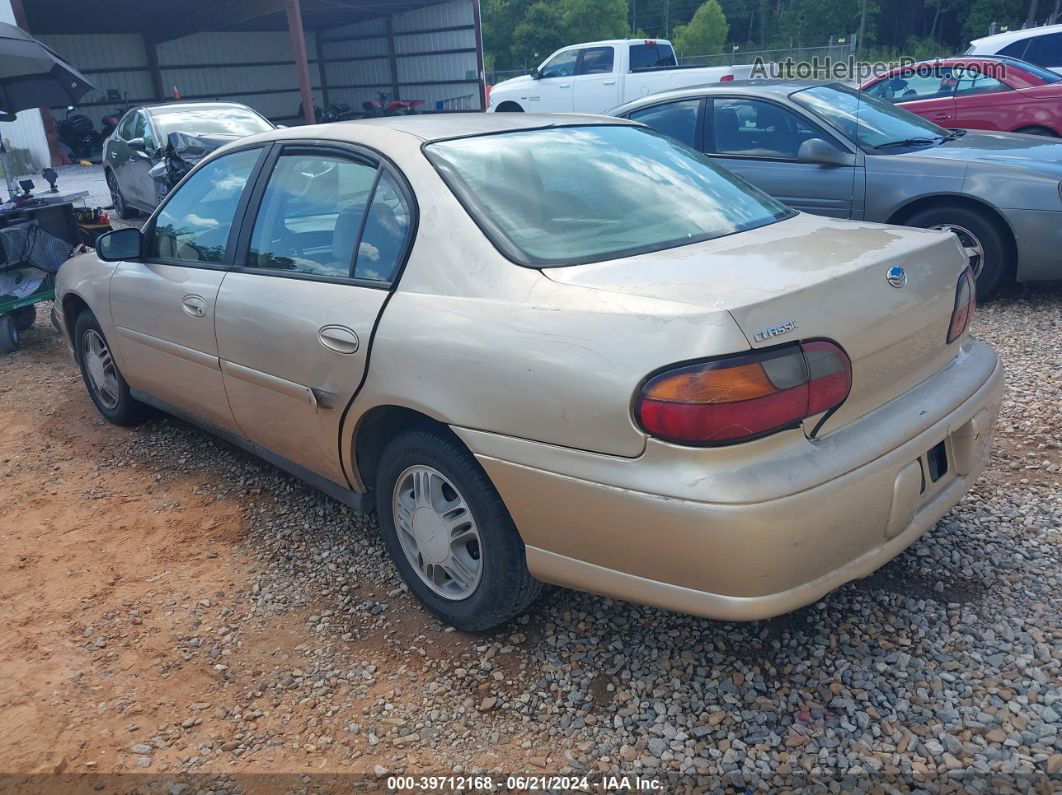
(323, 243)
(984, 103)
(164, 306)
(118, 150)
(595, 85)
(141, 187)
(760, 140)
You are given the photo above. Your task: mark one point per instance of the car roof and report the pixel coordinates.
(439, 126)
(167, 107)
(776, 89)
(1000, 39)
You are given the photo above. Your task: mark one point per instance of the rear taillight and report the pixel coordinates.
(965, 301)
(726, 78)
(746, 396)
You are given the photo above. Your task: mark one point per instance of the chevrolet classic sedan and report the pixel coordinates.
(558, 349)
(828, 149)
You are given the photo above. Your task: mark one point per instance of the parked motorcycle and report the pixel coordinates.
(79, 135)
(335, 111)
(110, 121)
(388, 105)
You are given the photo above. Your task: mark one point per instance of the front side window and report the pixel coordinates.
(143, 130)
(570, 195)
(677, 119)
(311, 214)
(560, 65)
(127, 125)
(754, 128)
(872, 122)
(596, 61)
(194, 224)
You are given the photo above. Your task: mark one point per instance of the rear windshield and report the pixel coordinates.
(221, 120)
(647, 56)
(570, 195)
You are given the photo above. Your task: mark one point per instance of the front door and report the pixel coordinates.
(163, 308)
(760, 141)
(137, 185)
(552, 91)
(295, 317)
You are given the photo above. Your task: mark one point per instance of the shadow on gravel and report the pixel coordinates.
(896, 578)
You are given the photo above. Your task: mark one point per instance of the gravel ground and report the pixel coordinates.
(942, 670)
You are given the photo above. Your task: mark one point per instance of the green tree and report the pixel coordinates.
(548, 25)
(705, 34)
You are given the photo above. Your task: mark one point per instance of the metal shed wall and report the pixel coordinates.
(430, 53)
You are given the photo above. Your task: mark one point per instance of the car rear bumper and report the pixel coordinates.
(707, 554)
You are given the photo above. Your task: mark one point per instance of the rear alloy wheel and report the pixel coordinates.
(10, 338)
(103, 379)
(124, 210)
(449, 534)
(980, 238)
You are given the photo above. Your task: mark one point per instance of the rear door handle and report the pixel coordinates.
(194, 305)
(339, 339)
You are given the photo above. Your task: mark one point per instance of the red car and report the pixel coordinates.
(978, 93)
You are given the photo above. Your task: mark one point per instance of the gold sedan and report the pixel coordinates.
(556, 349)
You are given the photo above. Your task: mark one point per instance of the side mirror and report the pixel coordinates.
(535, 74)
(816, 150)
(137, 144)
(119, 244)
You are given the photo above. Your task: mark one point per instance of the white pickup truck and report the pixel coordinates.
(598, 75)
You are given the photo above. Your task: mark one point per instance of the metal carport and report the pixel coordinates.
(250, 51)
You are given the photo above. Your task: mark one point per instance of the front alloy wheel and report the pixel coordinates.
(102, 374)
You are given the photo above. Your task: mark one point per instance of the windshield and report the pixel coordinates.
(873, 122)
(218, 120)
(570, 195)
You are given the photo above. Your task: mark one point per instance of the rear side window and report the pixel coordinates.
(1015, 49)
(677, 119)
(596, 60)
(651, 55)
(384, 237)
(194, 225)
(1045, 50)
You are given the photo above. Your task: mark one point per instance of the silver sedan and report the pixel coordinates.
(825, 148)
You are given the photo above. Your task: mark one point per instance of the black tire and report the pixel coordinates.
(10, 338)
(505, 588)
(509, 107)
(125, 409)
(124, 210)
(996, 259)
(25, 317)
(1034, 130)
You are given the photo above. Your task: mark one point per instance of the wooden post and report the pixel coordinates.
(302, 65)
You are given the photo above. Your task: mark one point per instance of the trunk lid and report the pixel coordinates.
(810, 277)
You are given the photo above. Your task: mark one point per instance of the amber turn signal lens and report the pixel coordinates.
(747, 396)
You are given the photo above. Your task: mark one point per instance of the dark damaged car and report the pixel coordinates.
(154, 146)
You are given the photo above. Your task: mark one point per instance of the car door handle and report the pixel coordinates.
(564, 85)
(194, 305)
(339, 339)
(942, 116)
(609, 83)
